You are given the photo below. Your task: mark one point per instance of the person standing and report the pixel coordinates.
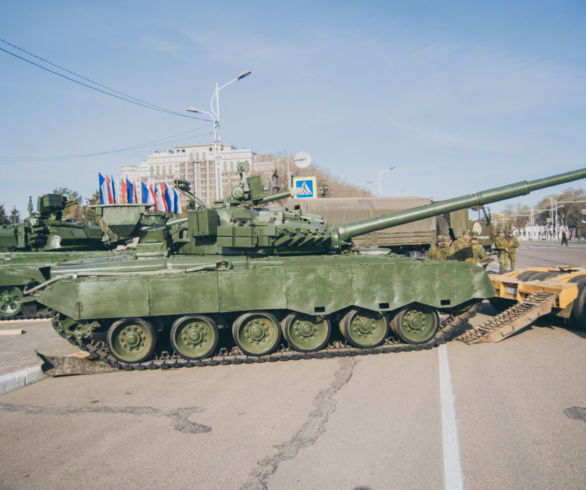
(512, 246)
(462, 242)
(442, 250)
(564, 239)
(501, 243)
(478, 252)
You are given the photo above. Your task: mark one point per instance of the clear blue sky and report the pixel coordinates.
(459, 96)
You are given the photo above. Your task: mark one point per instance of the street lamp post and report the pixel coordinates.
(380, 180)
(214, 115)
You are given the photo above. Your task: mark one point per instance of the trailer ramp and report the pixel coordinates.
(511, 320)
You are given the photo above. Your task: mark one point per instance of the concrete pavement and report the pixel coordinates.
(19, 364)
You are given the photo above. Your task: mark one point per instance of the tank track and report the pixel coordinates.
(452, 326)
(24, 316)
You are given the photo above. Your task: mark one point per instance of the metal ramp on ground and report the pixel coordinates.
(511, 320)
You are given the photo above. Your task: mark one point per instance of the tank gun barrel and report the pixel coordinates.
(274, 197)
(348, 230)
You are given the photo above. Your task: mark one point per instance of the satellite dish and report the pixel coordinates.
(302, 159)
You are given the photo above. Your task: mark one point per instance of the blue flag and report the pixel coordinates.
(129, 192)
(113, 190)
(176, 206)
(167, 197)
(102, 184)
(144, 192)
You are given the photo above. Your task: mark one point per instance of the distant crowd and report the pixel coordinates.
(542, 232)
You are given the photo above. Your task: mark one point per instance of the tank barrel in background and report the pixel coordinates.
(349, 230)
(274, 197)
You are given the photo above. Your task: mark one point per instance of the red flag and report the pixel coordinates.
(154, 196)
(123, 191)
(164, 195)
(110, 198)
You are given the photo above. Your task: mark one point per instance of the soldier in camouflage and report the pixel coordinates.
(502, 247)
(478, 252)
(512, 246)
(462, 242)
(442, 250)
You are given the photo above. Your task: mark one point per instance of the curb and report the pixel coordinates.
(18, 379)
(23, 320)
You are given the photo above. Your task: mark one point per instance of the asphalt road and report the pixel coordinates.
(507, 415)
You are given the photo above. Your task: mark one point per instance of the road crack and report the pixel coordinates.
(324, 405)
(179, 417)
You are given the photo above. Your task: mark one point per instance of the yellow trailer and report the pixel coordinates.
(566, 283)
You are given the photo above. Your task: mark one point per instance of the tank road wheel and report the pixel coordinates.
(415, 324)
(10, 301)
(194, 337)
(256, 333)
(305, 333)
(132, 340)
(364, 328)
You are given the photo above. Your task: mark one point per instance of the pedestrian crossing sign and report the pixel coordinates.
(304, 187)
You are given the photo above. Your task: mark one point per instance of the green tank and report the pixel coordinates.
(45, 230)
(246, 283)
(44, 238)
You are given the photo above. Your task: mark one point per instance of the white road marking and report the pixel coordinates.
(453, 477)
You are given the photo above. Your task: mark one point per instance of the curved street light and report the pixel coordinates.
(214, 116)
(380, 179)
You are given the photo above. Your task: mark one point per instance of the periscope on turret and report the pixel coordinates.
(272, 278)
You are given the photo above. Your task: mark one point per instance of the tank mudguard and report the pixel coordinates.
(312, 285)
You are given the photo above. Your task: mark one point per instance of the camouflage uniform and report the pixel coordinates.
(442, 250)
(461, 247)
(502, 244)
(512, 245)
(462, 242)
(478, 252)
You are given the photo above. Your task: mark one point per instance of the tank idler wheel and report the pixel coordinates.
(10, 301)
(306, 333)
(415, 324)
(257, 333)
(194, 337)
(132, 340)
(364, 328)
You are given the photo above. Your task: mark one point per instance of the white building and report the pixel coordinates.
(196, 165)
(193, 163)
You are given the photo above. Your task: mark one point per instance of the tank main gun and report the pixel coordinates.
(238, 227)
(349, 230)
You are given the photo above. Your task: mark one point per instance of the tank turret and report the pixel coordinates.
(45, 230)
(239, 226)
